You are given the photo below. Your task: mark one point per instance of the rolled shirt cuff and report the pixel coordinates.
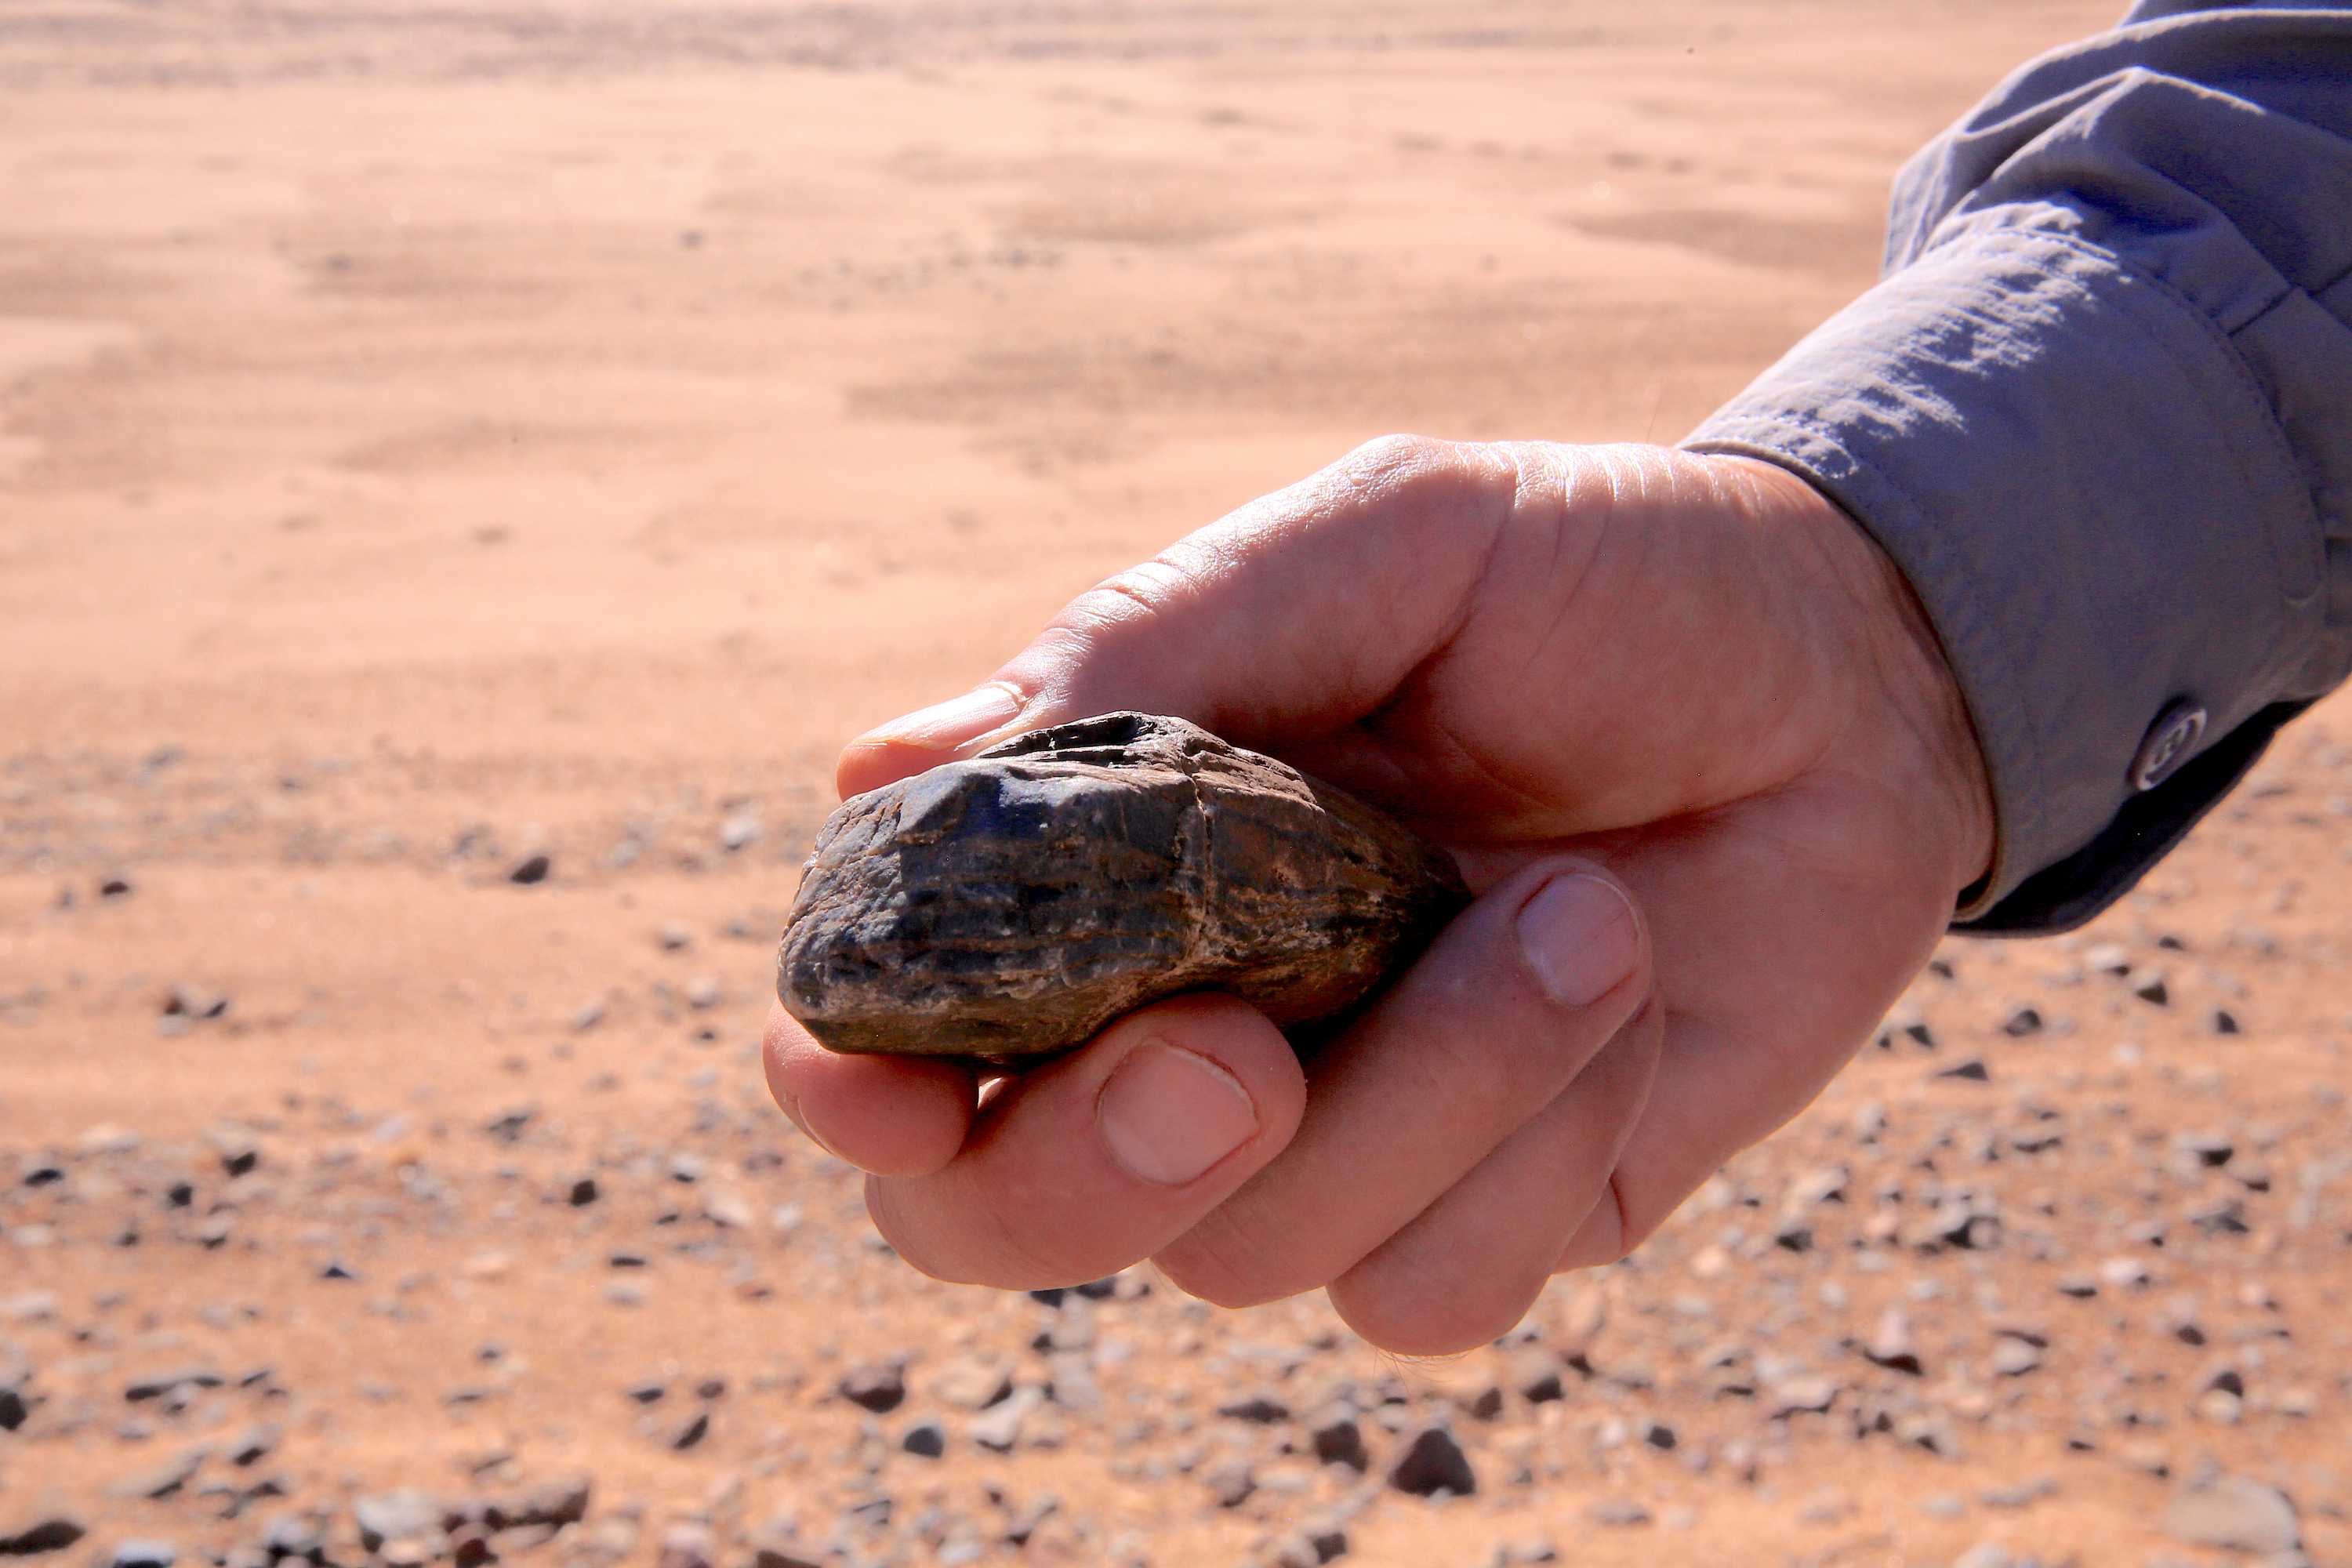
(2088, 491)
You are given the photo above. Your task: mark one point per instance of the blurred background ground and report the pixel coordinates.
(437, 436)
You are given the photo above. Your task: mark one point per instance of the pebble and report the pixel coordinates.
(39, 1531)
(405, 1515)
(925, 1439)
(1337, 1440)
(1230, 1482)
(144, 1554)
(2235, 1513)
(879, 1386)
(685, 1546)
(1430, 1460)
(531, 870)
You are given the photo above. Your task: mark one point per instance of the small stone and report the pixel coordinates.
(296, 1536)
(1985, 1555)
(1257, 1409)
(1617, 1513)
(685, 1546)
(997, 1428)
(1430, 1461)
(2234, 1513)
(2015, 1358)
(925, 1439)
(144, 1554)
(2020, 1021)
(879, 1386)
(1231, 1483)
(30, 1535)
(1337, 1440)
(531, 870)
(1972, 1070)
(406, 1514)
(255, 1445)
(675, 936)
(1535, 1371)
(1891, 1345)
(2225, 1021)
(972, 1384)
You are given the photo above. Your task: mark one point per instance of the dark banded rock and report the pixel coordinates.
(1014, 903)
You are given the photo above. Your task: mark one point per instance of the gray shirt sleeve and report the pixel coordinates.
(2099, 411)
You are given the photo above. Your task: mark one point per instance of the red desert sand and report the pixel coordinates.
(464, 470)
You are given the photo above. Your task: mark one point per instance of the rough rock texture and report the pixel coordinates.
(1015, 902)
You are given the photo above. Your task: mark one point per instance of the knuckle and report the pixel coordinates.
(1211, 1263)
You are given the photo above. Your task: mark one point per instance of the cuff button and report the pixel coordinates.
(2170, 741)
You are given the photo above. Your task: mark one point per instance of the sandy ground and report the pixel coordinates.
(432, 434)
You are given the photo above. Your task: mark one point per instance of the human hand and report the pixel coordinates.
(1700, 756)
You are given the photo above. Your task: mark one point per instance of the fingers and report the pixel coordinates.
(1470, 1265)
(1096, 1160)
(1787, 937)
(1293, 616)
(895, 1115)
(1503, 1012)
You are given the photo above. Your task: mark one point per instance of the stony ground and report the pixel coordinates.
(462, 472)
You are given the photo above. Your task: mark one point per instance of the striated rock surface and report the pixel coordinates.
(1017, 902)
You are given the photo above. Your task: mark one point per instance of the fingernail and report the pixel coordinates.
(947, 725)
(1167, 1114)
(1579, 935)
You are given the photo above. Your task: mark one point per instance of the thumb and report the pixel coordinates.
(1287, 620)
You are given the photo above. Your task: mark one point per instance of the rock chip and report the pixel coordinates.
(1014, 903)
(2234, 1513)
(1430, 1461)
(879, 1386)
(30, 1535)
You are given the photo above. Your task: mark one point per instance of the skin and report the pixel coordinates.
(1692, 677)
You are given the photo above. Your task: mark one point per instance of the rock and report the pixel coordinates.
(997, 1428)
(1616, 1513)
(2020, 1021)
(1891, 1345)
(879, 1386)
(1535, 1371)
(1430, 1461)
(30, 1535)
(972, 1384)
(1257, 1409)
(1985, 1555)
(531, 870)
(558, 1500)
(685, 1546)
(255, 1444)
(2234, 1513)
(162, 1480)
(1231, 1483)
(293, 1535)
(158, 1385)
(144, 1554)
(925, 1440)
(406, 1515)
(1337, 1440)
(1014, 903)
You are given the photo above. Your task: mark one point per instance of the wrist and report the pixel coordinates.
(1916, 721)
